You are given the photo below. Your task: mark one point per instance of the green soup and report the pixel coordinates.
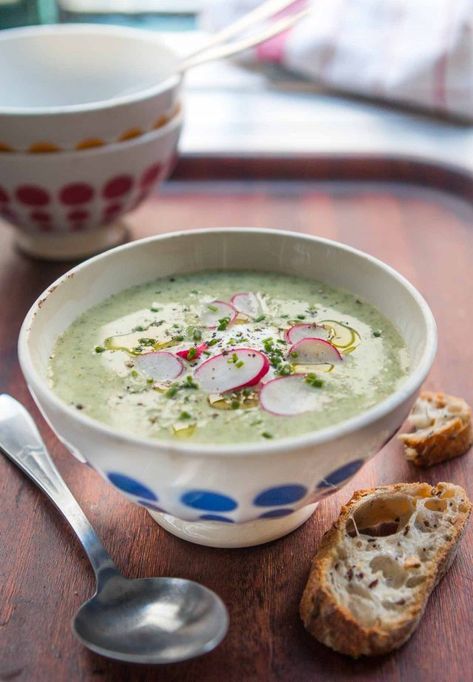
(196, 358)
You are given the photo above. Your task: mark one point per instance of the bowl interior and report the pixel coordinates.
(63, 66)
(232, 249)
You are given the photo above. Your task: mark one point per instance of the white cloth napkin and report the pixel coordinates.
(416, 52)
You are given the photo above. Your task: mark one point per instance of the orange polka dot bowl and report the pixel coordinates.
(80, 86)
(69, 205)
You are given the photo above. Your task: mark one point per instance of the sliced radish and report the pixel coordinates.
(248, 303)
(291, 395)
(160, 366)
(198, 352)
(314, 351)
(216, 310)
(226, 373)
(306, 331)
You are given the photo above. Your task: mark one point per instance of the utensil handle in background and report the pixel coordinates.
(243, 43)
(260, 13)
(22, 444)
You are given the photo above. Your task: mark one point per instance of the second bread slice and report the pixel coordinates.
(377, 565)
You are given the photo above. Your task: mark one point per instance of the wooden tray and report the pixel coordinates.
(427, 236)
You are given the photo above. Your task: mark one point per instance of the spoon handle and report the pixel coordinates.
(21, 442)
(229, 49)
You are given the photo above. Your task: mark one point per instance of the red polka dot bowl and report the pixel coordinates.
(77, 86)
(68, 205)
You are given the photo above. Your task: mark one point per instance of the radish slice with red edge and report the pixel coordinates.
(231, 371)
(160, 366)
(216, 310)
(198, 352)
(306, 331)
(314, 351)
(291, 395)
(248, 303)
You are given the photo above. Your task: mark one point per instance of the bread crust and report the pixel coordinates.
(331, 622)
(449, 436)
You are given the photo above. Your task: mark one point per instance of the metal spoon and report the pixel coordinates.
(153, 620)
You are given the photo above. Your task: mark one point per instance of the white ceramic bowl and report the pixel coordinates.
(67, 205)
(257, 491)
(77, 85)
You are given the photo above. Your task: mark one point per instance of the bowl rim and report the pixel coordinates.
(146, 138)
(280, 445)
(111, 103)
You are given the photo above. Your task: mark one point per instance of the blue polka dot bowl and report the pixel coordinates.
(245, 493)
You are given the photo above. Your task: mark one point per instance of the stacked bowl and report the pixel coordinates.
(89, 121)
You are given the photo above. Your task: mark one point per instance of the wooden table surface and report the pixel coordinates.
(44, 575)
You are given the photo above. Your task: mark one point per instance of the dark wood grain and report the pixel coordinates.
(44, 576)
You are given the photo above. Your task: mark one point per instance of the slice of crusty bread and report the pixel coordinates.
(376, 567)
(442, 429)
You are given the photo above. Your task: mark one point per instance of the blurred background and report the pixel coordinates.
(355, 77)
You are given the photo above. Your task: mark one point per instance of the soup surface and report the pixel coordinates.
(228, 357)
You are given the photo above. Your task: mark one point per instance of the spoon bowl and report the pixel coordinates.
(152, 620)
(147, 620)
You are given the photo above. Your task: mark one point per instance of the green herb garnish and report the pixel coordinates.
(377, 333)
(99, 349)
(185, 415)
(239, 364)
(191, 353)
(223, 323)
(172, 390)
(212, 342)
(260, 318)
(313, 380)
(212, 308)
(189, 383)
(265, 434)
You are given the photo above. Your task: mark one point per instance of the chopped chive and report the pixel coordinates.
(260, 318)
(265, 434)
(99, 349)
(313, 380)
(185, 415)
(377, 333)
(154, 309)
(301, 317)
(172, 390)
(212, 308)
(235, 404)
(239, 364)
(197, 335)
(294, 354)
(189, 383)
(134, 373)
(149, 380)
(212, 342)
(139, 328)
(178, 338)
(191, 353)
(223, 323)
